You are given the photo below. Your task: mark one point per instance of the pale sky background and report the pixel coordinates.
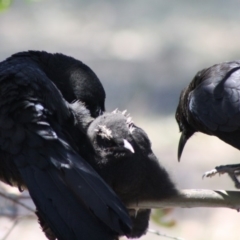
(145, 53)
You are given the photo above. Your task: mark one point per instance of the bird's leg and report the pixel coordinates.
(140, 219)
(233, 170)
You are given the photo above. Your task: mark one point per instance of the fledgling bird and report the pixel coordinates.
(125, 160)
(211, 104)
(42, 149)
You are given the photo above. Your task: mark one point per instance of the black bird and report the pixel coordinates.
(40, 151)
(74, 79)
(126, 162)
(211, 105)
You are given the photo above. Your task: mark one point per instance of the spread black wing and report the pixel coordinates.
(37, 152)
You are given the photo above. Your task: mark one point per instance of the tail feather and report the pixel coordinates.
(69, 219)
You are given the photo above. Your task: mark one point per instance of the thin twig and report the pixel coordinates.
(15, 200)
(163, 235)
(12, 227)
(15, 222)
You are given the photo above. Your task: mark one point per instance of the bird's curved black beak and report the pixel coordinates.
(183, 139)
(181, 144)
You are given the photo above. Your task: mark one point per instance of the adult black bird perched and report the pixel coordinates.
(39, 151)
(126, 162)
(210, 104)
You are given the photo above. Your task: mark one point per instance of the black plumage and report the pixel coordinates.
(42, 149)
(126, 162)
(210, 104)
(74, 79)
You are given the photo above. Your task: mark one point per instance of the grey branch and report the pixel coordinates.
(192, 198)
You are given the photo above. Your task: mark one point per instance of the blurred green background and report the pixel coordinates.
(145, 53)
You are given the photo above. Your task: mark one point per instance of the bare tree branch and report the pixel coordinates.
(15, 200)
(188, 198)
(162, 234)
(192, 198)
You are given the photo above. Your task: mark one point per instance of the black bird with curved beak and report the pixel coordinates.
(211, 105)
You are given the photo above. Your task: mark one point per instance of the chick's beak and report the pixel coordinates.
(127, 145)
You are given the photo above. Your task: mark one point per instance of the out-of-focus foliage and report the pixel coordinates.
(159, 215)
(4, 4)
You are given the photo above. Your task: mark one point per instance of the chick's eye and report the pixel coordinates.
(105, 142)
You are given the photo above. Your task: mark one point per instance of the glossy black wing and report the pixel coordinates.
(35, 150)
(215, 102)
(73, 78)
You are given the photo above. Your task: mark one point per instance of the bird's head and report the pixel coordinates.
(111, 135)
(183, 123)
(74, 79)
(186, 122)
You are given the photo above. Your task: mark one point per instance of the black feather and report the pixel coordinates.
(42, 148)
(125, 160)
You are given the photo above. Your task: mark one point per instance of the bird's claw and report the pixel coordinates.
(212, 173)
(232, 170)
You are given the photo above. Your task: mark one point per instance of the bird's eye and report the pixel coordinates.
(106, 143)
